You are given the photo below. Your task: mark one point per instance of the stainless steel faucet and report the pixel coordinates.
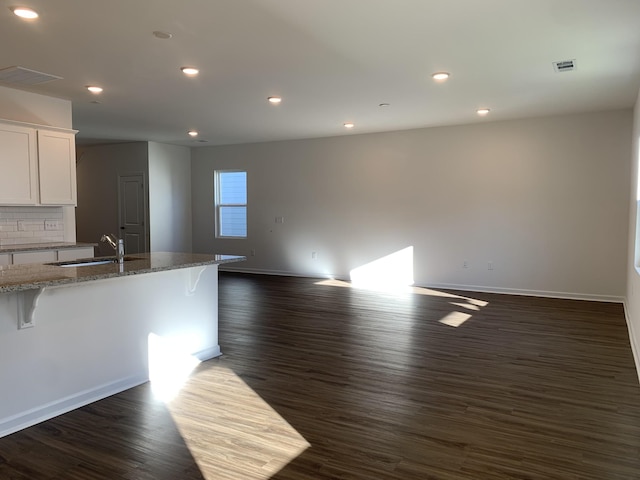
(116, 243)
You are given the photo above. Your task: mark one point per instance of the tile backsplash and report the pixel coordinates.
(20, 225)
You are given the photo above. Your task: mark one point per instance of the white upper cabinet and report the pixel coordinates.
(18, 157)
(57, 167)
(37, 165)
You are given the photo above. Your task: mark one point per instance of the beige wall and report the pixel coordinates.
(544, 200)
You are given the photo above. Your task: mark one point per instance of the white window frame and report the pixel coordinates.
(218, 203)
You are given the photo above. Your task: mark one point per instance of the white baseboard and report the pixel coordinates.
(208, 353)
(45, 412)
(635, 348)
(447, 286)
(531, 293)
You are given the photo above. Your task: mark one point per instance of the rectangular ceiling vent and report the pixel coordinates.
(24, 76)
(564, 65)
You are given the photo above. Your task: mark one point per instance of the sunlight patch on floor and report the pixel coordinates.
(452, 319)
(472, 303)
(455, 319)
(468, 306)
(393, 274)
(231, 431)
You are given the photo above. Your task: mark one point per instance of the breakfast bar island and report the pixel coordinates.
(73, 334)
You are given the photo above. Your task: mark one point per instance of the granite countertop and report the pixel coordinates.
(16, 278)
(26, 247)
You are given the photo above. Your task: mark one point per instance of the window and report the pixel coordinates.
(231, 203)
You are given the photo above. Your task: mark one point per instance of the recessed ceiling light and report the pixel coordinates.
(440, 76)
(94, 89)
(191, 71)
(275, 100)
(162, 35)
(349, 125)
(482, 111)
(192, 133)
(24, 12)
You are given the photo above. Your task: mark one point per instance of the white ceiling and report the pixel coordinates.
(332, 61)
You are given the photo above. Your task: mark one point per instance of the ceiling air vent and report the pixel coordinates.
(24, 76)
(564, 65)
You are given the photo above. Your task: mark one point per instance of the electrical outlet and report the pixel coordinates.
(465, 264)
(50, 224)
(490, 266)
(314, 255)
(279, 219)
(21, 227)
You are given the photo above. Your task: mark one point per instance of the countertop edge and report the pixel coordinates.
(38, 284)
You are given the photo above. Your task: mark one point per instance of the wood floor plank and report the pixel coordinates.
(324, 381)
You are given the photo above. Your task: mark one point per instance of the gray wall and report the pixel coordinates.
(169, 198)
(97, 171)
(544, 200)
(167, 171)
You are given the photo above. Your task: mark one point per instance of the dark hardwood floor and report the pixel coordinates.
(322, 381)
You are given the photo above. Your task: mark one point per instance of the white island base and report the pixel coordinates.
(92, 339)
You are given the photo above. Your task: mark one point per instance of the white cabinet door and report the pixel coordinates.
(41, 256)
(69, 254)
(57, 167)
(18, 176)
